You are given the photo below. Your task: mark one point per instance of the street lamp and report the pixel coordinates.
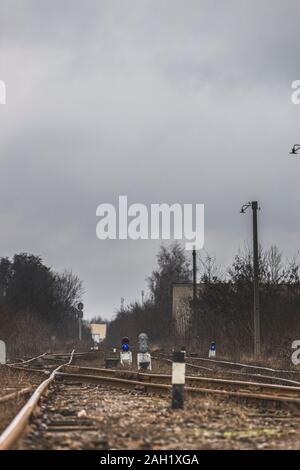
(256, 312)
(295, 149)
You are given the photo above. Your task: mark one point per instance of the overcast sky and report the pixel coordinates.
(162, 101)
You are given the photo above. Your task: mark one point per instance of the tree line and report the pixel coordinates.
(223, 311)
(38, 306)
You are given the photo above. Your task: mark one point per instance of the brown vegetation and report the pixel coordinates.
(224, 309)
(37, 306)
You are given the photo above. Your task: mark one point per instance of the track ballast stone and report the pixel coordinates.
(76, 416)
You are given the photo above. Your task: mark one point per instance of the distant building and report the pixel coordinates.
(98, 331)
(182, 295)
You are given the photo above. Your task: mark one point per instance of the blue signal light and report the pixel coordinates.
(125, 347)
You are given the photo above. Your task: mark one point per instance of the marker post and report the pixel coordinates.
(2, 352)
(178, 380)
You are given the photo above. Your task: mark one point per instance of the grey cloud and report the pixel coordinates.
(166, 101)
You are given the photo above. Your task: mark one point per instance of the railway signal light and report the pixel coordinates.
(212, 349)
(125, 353)
(125, 344)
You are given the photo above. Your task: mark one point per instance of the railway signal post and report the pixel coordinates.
(125, 353)
(178, 380)
(143, 356)
(80, 317)
(212, 349)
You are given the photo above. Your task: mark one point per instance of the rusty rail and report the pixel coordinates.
(26, 362)
(13, 432)
(166, 378)
(13, 395)
(245, 366)
(235, 372)
(188, 364)
(159, 387)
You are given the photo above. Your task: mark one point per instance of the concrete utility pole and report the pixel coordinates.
(256, 283)
(256, 310)
(194, 282)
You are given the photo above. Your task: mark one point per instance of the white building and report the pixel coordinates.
(98, 331)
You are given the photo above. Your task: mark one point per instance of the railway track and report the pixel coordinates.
(239, 365)
(228, 369)
(195, 385)
(69, 380)
(15, 387)
(14, 430)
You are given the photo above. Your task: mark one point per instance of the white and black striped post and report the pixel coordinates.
(178, 380)
(2, 352)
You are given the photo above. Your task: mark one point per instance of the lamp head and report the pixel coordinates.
(295, 149)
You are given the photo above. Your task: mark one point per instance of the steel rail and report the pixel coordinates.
(77, 354)
(164, 359)
(13, 432)
(234, 372)
(262, 376)
(31, 369)
(191, 379)
(249, 366)
(120, 382)
(26, 362)
(19, 393)
(228, 382)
